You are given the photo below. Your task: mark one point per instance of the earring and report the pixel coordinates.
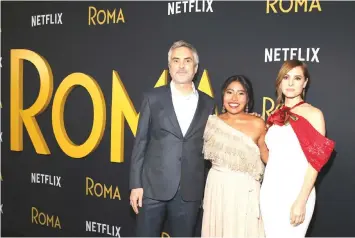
(223, 109)
(247, 109)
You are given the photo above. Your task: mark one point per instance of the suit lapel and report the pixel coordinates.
(169, 109)
(197, 116)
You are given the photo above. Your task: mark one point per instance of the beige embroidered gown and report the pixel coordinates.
(231, 201)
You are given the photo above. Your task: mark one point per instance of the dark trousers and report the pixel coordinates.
(182, 217)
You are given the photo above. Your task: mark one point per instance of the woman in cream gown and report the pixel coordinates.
(234, 143)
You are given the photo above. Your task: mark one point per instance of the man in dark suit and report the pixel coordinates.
(167, 173)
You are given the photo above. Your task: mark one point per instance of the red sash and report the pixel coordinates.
(316, 147)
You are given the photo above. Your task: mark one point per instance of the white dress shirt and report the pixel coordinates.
(184, 106)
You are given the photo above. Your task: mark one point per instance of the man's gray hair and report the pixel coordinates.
(182, 43)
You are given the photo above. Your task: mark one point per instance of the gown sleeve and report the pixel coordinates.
(316, 147)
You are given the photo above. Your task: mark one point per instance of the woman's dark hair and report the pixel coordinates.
(246, 85)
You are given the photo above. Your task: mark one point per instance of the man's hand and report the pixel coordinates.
(136, 199)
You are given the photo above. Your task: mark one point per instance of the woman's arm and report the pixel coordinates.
(264, 151)
(298, 210)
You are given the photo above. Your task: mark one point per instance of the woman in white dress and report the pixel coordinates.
(298, 150)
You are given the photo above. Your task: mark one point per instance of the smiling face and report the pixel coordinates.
(235, 98)
(182, 66)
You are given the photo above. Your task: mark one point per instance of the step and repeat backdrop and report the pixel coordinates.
(72, 79)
